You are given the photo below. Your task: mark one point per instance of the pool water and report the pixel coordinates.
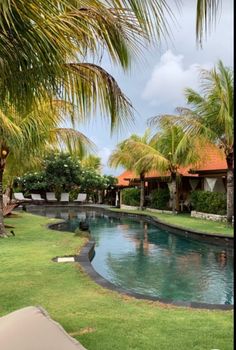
(145, 259)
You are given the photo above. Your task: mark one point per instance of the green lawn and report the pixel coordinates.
(187, 222)
(98, 318)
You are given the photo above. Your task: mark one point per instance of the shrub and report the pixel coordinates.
(159, 198)
(209, 202)
(131, 196)
(31, 182)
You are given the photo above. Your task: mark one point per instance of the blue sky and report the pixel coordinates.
(155, 84)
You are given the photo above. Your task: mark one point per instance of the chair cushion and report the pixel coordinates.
(31, 328)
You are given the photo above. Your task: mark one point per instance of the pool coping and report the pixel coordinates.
(87, 253)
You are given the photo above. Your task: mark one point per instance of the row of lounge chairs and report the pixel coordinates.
(50, 197)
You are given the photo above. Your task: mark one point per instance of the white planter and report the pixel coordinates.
(207, 216)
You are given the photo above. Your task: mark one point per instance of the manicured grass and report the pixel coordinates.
(186, 221)
(98, 318)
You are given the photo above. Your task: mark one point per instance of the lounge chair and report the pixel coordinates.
(64, 197)
(37, 198)
(32, 328)
(50, 196)
(81, 197)
(20, 197)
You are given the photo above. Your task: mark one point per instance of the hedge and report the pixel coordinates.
(159, 198)
(131, 196)
(209, 202)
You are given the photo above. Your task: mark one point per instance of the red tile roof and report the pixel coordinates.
(213, 160)
(125, 175)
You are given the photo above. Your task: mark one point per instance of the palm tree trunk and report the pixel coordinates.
(174, 192)
(230, 187)
(3, 232)
(142, 190)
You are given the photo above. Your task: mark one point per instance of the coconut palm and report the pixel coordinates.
(167, 151)
(127, 155)
(28, 137)
(210, 117)
(92, 162)
(44, 46)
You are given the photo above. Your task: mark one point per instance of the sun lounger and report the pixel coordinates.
(20, 197)
(50, 196)
(64, 197)
(37, 198)
(32, 328)
(81, 197)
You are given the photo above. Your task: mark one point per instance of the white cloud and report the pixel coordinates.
(169, 78)
(104, 154)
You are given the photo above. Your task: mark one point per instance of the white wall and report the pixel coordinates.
(218, 187)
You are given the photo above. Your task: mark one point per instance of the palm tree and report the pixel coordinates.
(91, 162)
(127, 155)
(210, 117)
(44, 46)
(167, 151)
(28, 137)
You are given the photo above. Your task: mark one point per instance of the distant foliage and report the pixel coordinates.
(31, 182)
(131, 196)
(92, 182)
(209, 202)
(159, 198)
(62, 172)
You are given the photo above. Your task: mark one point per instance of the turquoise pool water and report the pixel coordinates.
(145, 259)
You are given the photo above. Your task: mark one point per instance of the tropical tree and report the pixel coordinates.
(127, 155)
(32, 135)
(210, 118)
(92, 162)
(167, 151)
(44, 45)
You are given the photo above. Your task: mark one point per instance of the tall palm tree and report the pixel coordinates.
(127, 154)
(29, 136)
(210, 117)
(167, 151)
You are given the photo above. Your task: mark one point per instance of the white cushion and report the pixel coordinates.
(31, 328)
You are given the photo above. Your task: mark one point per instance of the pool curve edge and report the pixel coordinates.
(87, 253)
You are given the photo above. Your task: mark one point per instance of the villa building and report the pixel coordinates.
(209, 175)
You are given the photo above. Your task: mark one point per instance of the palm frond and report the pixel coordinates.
(90, 87)
(206, 14)
(72, 141)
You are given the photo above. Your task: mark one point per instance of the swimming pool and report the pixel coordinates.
(142, 258)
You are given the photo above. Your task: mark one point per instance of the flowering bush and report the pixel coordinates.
(62, 173)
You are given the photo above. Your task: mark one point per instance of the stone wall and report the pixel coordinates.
(207, 216)
(128, 207)
(160, 211)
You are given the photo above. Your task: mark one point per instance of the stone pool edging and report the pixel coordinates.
(87, 253)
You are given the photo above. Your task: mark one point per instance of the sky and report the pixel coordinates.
(156, 83)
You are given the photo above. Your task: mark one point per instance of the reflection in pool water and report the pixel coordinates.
(145, 259)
